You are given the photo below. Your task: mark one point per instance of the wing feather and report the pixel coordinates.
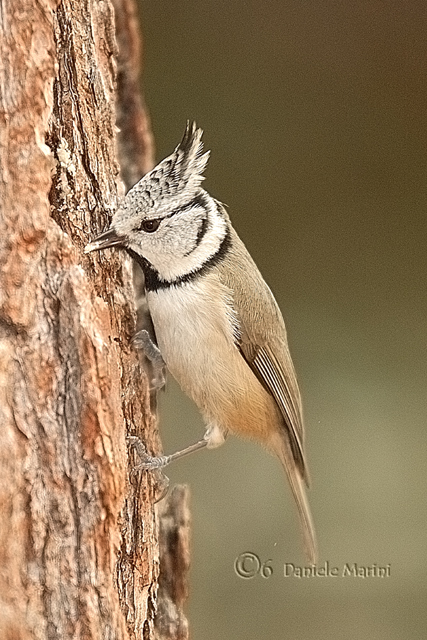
(260, 335)
(261, 339)
(271, 375)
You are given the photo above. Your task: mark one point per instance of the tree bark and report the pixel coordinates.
(78, 534)
(170, 622)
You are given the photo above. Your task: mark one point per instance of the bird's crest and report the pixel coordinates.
(180, 172)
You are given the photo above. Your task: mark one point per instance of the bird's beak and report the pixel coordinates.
(109, 238)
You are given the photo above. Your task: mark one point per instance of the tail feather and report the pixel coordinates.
(283, 450)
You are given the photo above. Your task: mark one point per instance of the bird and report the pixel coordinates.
(217, 326)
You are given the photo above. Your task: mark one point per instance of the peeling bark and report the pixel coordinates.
(174, 517)
(136, 147)
(78, 535)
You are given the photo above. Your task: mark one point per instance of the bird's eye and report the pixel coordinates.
(150, 225)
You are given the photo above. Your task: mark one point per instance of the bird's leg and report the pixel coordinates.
(143, 341)
(149, 463)
(214, 437)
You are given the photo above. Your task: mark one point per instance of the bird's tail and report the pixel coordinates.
(283, 450)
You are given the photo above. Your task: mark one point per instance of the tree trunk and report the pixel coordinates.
(78, 535)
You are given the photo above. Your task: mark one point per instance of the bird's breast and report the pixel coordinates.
(195, 327)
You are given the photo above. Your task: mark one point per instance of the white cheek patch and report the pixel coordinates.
(181, 231)
(177, 266)
(172, 253)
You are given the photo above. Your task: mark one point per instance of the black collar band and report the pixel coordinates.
(153, 282)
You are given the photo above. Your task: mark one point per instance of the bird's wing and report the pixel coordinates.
(278, 378)
(260, 335)
(261, 339)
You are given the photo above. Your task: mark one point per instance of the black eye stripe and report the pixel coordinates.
(202, 231)
(149, 226)
(153, 282)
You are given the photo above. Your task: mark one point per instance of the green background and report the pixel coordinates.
(315, 113)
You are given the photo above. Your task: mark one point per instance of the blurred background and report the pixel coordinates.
(316, 117)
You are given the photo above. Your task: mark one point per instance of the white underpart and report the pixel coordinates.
(193, 322)
(214, 436)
